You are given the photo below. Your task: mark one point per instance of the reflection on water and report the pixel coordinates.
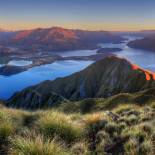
(19, 63)
(77, 53)
(11, 84)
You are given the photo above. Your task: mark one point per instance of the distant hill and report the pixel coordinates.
(104, 78)
(60, 39)
(148, 43)
(6, 35)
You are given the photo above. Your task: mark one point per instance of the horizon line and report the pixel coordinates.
(84, 29)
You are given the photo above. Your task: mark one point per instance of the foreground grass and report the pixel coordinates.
(37, 146)
(87, 128)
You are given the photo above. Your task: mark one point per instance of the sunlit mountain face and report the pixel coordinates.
(148, 74)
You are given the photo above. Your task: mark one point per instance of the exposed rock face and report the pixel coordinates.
(104, 78)
(37, 99)
(147, 43)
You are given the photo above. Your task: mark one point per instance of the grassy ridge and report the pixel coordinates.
(122, 124)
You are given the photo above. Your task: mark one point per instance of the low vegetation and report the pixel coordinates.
(118, 125)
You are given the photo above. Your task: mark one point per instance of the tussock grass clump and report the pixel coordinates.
(54, 123)
(36, 146)
(112, 128)
(7, 127)
(146, 127)
(93, 118)
(135, 132)
(147, 148)
(131, 147)
(102, 140)
(94, 123)
(123, 108)
(132, 119)
(80, 148)
(152, 105)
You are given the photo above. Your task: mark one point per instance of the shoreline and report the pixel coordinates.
(49, 58)
(9, 70)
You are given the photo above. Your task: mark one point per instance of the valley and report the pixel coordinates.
(77, 77)
(27, 65)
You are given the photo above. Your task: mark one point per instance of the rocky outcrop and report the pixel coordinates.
(104, 78)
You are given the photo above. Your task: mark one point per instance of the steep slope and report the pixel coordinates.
(32, 100)
(104, 78)
(148, 43)
(60, 39)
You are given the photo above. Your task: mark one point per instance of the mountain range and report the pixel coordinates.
(59, 39)
(104, 78)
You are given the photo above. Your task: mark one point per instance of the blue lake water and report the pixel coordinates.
(11, 84)
(77, 53)
(19, 63)
(143, 58)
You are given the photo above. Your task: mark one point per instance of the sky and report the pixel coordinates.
(112, 15)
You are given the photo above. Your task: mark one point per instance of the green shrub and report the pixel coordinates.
(87, 105)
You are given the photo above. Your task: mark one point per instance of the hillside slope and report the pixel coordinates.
(60, 39)
(148, 43)
(104, 78)
(121, 124)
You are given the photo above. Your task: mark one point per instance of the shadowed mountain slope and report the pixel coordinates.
(104, 78)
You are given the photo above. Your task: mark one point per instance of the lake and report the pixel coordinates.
(9, 85)
(143, 58)
(77, 53)
(19, 63)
